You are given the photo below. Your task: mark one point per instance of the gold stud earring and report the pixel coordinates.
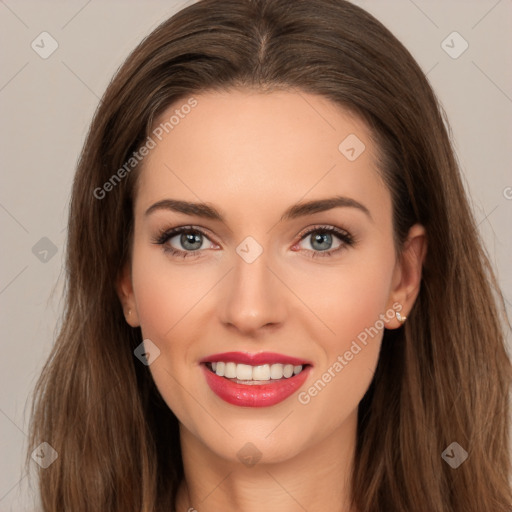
(400, 318)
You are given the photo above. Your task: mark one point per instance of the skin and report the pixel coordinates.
(252, 155)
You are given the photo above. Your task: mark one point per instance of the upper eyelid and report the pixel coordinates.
(180, 229)
(326, 227)
(172, 232)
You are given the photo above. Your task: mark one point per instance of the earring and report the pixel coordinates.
(129, 312)
(400, 318)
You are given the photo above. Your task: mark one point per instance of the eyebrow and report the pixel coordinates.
(295, 211)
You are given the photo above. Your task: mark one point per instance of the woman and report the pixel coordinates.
(276, 295)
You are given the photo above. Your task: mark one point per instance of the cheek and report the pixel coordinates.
(165, 293)
(351, 301)
(166, 296)
(351, 354)
(363, 298)
(156, 294)
(348, 298)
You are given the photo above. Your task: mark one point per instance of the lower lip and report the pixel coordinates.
(255, 395)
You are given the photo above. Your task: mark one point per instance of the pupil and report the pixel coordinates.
(191, 238)
(325, 238)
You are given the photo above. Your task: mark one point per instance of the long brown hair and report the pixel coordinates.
(442, 378)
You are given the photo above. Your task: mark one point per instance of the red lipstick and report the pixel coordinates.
(262, 393)
(254, 359)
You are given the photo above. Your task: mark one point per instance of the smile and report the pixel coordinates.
(270, 379)
(247, 374)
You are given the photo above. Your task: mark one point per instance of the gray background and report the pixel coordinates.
(47, 104)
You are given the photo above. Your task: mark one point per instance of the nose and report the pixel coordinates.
(253, 297)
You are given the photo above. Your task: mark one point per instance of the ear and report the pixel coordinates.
(125, 293)
(407, 274)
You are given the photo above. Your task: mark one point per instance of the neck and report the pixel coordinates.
(316, 478)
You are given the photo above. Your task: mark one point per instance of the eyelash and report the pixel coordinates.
(165, 234)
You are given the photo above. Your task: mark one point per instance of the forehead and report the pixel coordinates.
(250, 148)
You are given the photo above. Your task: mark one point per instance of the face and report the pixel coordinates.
(256, 275)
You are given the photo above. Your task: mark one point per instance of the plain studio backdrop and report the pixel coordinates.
(57, 60)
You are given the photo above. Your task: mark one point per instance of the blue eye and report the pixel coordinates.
(189, 238)
(322, 236)
(192, 239)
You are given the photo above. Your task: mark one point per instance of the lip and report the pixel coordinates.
(257, 395)
(254, 359)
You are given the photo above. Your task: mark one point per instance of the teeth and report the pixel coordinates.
(230, 370)
(220, 369)
(247, 372)
(243, 371)
(276, 371)
(261, 372)
(288, 370)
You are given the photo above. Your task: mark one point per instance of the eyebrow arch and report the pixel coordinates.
(295, 211)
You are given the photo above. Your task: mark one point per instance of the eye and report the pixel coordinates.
(321, 239)
(188, 239)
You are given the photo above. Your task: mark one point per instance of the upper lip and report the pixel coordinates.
(254, 359)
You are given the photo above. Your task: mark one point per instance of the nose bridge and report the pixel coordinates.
(253, 295)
